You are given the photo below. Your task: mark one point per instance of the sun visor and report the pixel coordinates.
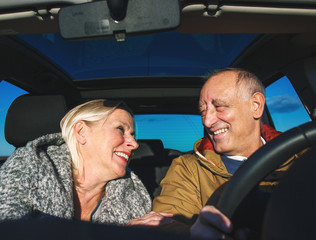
(118, 18)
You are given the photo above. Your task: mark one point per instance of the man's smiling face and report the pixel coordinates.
(226, 116)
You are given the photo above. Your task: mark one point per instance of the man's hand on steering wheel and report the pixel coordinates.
(213, 224)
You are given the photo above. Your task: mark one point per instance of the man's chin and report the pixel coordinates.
(220, 149)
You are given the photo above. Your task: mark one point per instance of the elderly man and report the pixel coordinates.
(231, 105)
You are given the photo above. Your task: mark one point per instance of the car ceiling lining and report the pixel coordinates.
(226, 17)
(35, 73)
(247, 19)
(286, 50)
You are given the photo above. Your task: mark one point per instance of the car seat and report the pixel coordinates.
(151, 163)
(31, 116)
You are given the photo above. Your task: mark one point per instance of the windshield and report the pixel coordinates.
(161, 54)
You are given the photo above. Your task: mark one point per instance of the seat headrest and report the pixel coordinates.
(150, 152)
(30, 117)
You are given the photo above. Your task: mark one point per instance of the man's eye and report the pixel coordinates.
(202, 113)
(219, 108)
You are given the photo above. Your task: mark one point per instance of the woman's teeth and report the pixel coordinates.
(122, 155)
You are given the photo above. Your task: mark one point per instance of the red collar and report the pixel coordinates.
(267, 133)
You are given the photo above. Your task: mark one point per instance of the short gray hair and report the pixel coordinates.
(245, 81)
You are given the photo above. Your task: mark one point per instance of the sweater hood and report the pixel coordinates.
(41, 173)
(52, 139)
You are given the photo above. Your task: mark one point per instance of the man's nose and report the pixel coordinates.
(210, 118)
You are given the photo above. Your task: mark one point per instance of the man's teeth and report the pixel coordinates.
(122, 155)
(220, 131)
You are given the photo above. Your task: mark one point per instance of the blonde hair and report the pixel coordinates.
(88, 112)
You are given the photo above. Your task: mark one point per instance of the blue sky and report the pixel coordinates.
(8, 94)
(180, 132)
(285, 107)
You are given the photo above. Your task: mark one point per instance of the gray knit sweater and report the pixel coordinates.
(36, 181)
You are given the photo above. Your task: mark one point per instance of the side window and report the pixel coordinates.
(8, 93)
(286, 109)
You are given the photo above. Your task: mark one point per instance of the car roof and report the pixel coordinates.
(262, 27)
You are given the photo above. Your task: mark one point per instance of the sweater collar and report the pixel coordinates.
(267, 132)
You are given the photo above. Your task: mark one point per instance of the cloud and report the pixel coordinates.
(158, 119)
(283, 104)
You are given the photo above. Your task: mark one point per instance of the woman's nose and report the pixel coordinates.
(132, 143)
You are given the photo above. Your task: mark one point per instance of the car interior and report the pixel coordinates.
(284, 44)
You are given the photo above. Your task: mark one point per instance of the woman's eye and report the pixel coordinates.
(121, 129)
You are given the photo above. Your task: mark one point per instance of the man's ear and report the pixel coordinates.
(257, 104)
(80, 129)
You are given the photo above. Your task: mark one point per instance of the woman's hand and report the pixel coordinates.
(152, 219)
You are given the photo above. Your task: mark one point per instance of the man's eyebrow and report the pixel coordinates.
(201, 105)
(219, 101)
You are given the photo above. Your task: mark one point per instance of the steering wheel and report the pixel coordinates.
(264, 161)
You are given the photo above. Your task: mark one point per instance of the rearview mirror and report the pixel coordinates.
(118, 18)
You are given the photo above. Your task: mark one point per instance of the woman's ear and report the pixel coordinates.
(80, 132)
(257, 104)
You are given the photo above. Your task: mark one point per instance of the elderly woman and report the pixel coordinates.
(80, 173)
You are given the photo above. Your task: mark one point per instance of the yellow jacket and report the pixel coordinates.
(191, 180)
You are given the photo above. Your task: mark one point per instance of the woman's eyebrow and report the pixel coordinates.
(123, 123)
(127, 125)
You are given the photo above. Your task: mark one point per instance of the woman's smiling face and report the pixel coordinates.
(109, 144)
